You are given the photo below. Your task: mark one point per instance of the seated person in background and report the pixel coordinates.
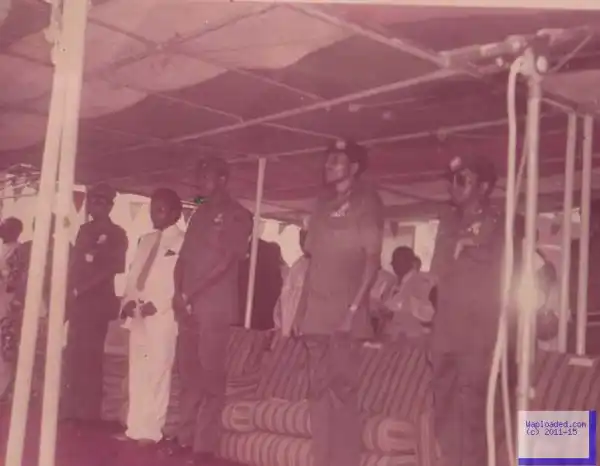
(287, 305)
(406, 309)
(547, 293)
(267, 285)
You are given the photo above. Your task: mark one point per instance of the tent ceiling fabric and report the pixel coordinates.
(169, 80)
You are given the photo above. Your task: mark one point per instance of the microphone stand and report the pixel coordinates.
(535, 64)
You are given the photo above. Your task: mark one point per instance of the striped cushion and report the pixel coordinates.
(114, 401)
(563, 385)
(372, 459)
(395, 380)
(283, 417)
(390, 436)
(565, 382)
(265, 449)
(245, 350)
(239, 416)
(117, 339)
(284, 371)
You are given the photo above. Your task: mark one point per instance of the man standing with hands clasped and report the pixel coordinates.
(150, 320)
(205, 302)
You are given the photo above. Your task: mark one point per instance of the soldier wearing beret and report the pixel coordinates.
(344, 240)
(468, 264)
(205, 303)
(97, 257)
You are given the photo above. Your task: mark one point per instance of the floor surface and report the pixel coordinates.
(86, 447)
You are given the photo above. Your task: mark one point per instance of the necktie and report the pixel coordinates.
(147, 266)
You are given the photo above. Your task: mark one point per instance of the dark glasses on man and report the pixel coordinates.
(98, 200)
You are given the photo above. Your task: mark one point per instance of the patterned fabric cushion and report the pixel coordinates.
(117, 339)
(395, 380)
(239, 416)
(566, 382)
(373, 459)
(285, 371)
(265, 449)
(283, 417)
(245, 350)
(390, 436)
(114, 402)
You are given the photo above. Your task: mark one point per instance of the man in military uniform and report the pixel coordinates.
(345, 234)
(468, 264)
(205, 303)
(97, 257)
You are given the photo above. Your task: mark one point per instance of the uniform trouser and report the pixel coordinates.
(6, 377)
(84, 361)
(201, 363)
(151, 356)
(460, 382)
(334, 411)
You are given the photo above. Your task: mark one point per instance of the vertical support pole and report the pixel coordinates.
(565, 268)
(37, 267)
(499, 360)
(526, 320)
(74, 20)
(260, 185)
(584, 243)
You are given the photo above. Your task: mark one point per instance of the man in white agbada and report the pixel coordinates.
(150, 320)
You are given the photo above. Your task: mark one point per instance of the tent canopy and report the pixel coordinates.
(169, 80)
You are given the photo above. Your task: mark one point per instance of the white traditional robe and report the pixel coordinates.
(152, 339)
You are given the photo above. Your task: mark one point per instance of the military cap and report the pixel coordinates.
(481, 165)
(103, 191)
(216, 164)
(355, 152)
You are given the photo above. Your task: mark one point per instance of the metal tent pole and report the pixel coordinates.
(584, 243)
(260, 184)
(74, 20)
(526, 320)
(565, 269)
(37, 267)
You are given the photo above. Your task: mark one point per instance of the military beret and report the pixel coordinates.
(216, 164)
(103, 191)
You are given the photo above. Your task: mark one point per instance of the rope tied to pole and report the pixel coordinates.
(53, 32)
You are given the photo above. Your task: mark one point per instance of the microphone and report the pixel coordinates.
(512, 46)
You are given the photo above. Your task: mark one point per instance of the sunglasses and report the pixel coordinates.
(98, 201)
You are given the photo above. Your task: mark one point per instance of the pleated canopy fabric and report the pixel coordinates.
(169, 80)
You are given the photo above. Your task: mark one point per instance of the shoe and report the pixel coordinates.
(146, 442)
(122, 437)
(173, 448)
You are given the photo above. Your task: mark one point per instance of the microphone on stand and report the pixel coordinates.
(507, 50)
